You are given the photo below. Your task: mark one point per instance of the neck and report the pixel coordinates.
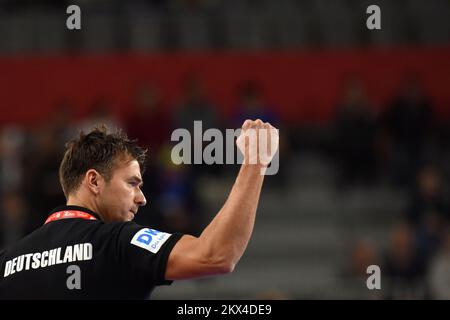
(75, 201)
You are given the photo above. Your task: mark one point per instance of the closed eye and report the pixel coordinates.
(136, 184)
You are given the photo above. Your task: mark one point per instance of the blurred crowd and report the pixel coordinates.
(406, 144)
(403, 144)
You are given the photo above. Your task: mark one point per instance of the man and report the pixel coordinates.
(91, 249)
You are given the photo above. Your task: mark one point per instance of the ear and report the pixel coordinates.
(94, 181)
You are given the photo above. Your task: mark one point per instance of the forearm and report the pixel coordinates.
(227, 236)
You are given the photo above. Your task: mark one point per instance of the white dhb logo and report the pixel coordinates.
(374, 280)
(374, 20)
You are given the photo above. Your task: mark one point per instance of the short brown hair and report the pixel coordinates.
(96, 150)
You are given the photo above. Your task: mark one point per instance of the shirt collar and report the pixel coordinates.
(77, 208)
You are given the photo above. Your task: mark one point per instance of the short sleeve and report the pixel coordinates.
(142, 254)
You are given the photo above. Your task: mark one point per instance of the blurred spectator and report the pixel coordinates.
(428, 213)
(148, 121)
(252, 105)
(43, 190)
(363, 255)
(12, 141)
(439, 275)
(12, 218)
(428, 198)
(62, 123)
(356, 132)
(177, 198)
(429, 238)
(404, 269)
(408, 122)
(195, 106)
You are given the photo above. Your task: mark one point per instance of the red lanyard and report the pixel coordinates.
(68, 214)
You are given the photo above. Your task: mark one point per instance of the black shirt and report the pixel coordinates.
(76, 258)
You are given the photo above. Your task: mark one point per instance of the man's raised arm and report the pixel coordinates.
(223, 242)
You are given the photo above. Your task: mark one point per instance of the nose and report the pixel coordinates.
(140, 199)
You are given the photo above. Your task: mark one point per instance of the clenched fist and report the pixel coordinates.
(258, 142)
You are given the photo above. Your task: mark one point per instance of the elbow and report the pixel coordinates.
(227, 268)
(220, 261)
(222, 266)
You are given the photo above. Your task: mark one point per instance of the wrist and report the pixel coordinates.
(254, 167)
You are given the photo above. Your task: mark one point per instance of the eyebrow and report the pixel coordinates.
(137, 179)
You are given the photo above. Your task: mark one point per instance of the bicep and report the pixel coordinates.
(190, 258)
